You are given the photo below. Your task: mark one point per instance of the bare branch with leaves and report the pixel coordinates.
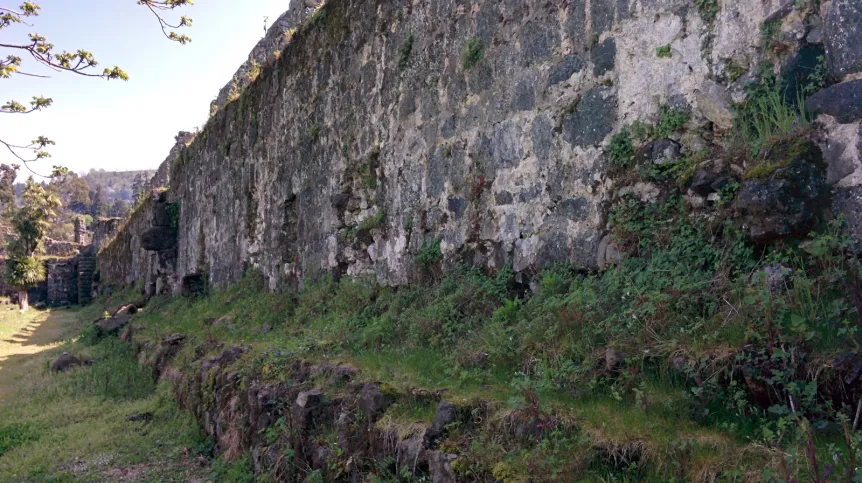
(81, 62)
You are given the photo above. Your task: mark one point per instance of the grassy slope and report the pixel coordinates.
(71, 427)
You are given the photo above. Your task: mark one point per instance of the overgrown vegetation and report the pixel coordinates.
(664, 52)
(404, 53)
(473, 52)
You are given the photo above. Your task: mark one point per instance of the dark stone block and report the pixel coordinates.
(503, 198)
(842, 101)
(661, 151)
(537, 41)
(604, 56)
(506, 144)
(66, 361)
(848, 202)
(524, 97)
(530, 193)
(542, 136)
(567, 67)
(576, 24)
(592, 119)
(843, 37)
(789, 201)
(602, 15)
(457, 206)
(575, 209)
(158, 238)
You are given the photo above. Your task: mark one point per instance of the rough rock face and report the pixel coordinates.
(841, 101)
(787, 202)
(349, 154)
(844, 36)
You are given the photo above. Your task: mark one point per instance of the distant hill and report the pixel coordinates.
(116, 184)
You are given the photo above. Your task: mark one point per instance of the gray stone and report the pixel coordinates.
(593, 118)
(604, 56)
(788, 202)
(503, 198)
(371, 400)
(158, 238)
(506, 144)
(843, 36)
(524, 96)
(65, 361)
(309, 399)
(537, 42)
(841, 101)
(609, 253)
(613, 359)
(715, 103)
(565, 69)
(444, 416)
(112, 325)
(601, 16)
(542, 136)
(575, 209)
(662, 151)
(457, 206)
(440, 467)
(847, 202)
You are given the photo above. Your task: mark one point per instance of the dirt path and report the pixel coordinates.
(23, 339)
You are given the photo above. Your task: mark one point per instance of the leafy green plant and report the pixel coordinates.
(374, 221)
(14, 435)
(473, 53)
(708, 9)
(621, 150)
(429, 255)
(670, 120)
(313, 131)
(404, 54)
(239, 471)
(664, 52)
(766, 118)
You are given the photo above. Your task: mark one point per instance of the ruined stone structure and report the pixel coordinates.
(382, 127)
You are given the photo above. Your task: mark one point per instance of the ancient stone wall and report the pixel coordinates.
(104, 230)
(385, 126)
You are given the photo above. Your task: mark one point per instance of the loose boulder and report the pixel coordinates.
(787, 202)
(66, 361)
(842, 101)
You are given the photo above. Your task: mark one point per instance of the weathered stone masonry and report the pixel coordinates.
(350, 152)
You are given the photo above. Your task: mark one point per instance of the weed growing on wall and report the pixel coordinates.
(473, 52)
(404, 53)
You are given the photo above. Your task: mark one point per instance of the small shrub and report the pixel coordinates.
(621, 150)
(766, 117)
(708, 9)
(664, 51)
(734, 70)
(313, 132)
(15, 435)
(406, 50)
(367, 176)
(472, 53)
(670, 120)
(374, 221)
(429, 255)
(240, 471)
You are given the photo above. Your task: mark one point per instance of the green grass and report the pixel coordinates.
(73, 426)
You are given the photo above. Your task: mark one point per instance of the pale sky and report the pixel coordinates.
(118, 125)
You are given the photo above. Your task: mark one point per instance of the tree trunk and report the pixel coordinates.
(23, 300)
